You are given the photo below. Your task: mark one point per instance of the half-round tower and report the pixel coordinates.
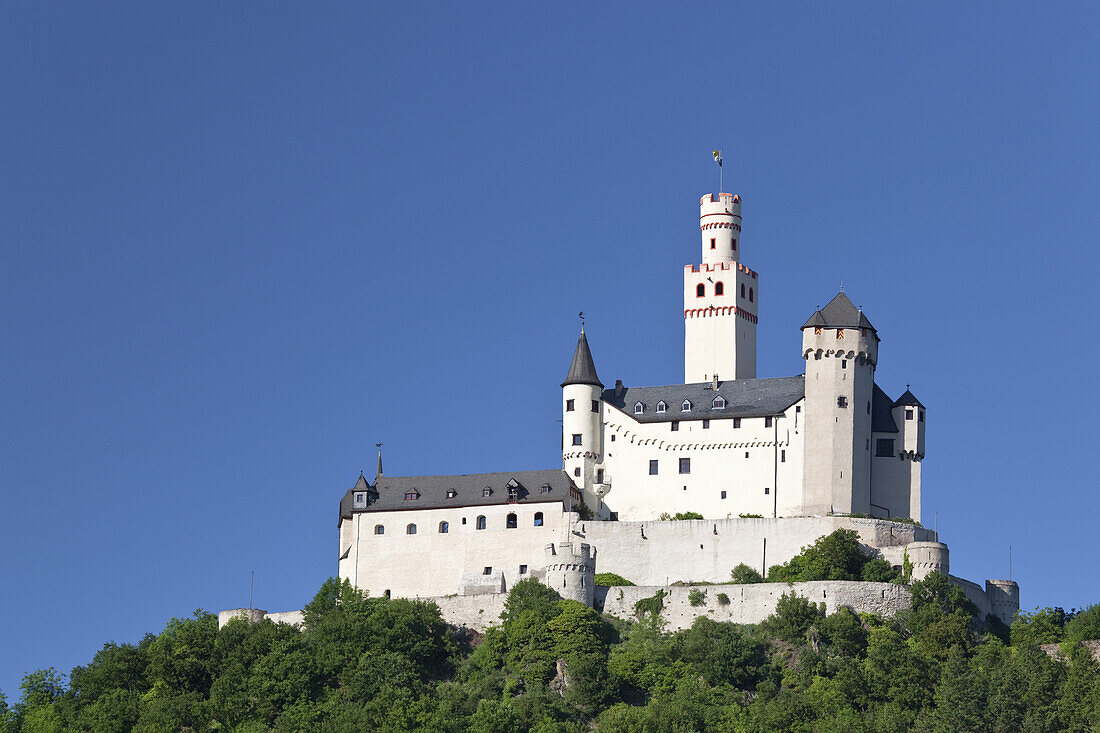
(720, 227)
(571, 571)
(1004, 599)
(927, 558)
(840, 347)
(582, 433)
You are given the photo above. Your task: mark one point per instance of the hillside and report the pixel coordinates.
(364, 663)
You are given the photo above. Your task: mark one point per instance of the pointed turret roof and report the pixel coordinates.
(582, 370)
(839, 313)
(908, 399)
(378, 471)
(361, 484)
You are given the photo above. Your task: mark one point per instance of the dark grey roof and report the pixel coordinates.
(468, 488)
(744, 398)
(882, 419)
(839, 313)
(908, 399)
(582, 370)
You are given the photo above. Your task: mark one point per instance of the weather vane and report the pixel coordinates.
(718, 159)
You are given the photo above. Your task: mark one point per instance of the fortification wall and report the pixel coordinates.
(748, 604)
(658, 553)
(255, 615)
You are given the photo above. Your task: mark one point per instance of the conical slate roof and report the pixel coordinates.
(839, 313)
(908, 399)
(582, 370)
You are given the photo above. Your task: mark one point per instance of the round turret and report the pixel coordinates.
(720, 227)
(582, 435)
(927, 558)
(1004, 599)
(251, 615)
(571, 572)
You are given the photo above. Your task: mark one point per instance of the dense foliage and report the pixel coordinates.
(611, 579)
(556, 666)
(837, 556)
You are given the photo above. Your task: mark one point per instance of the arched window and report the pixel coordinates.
(661, 406)
(511, 522)
(410, 529)
(444, 527)
(700, 290)
(686, 407)
(379, 529)
(742, 290)
(538, 519)
(719, 288)
(718, 403)
(750, 295)
(480, 522)
(638, 408)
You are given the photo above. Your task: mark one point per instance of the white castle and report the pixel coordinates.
(771, 464)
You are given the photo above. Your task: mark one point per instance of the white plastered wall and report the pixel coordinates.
(743, 462)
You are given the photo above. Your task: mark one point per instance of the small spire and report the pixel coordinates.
(378, 470)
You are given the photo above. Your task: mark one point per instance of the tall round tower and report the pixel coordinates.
(720, 227)
(721, 296)
(571, 572)
(582, 433)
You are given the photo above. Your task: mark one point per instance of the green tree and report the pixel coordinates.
(742, 573)
(793, 617)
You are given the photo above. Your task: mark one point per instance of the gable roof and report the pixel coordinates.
(744, 398)
(882, 418)
(468, 490)
(838, 313)
(582, 370)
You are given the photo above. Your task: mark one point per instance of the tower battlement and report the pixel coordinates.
(730, 198)
(719, 266)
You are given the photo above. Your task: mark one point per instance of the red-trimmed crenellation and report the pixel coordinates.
(720, 311)
(718, 225)
(709, 198)
(720, 266)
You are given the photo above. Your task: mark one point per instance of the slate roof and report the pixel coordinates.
(744, 398)
(882, 418)
(582, 370)
(839, 313)
(468, 489)
(908, 399)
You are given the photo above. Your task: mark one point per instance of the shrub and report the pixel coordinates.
(793, 617)
(751, 516)
(611, 579)
(744, 574)
(836, 556)
(665, 516)
(723, 599)
(697, 597)
(652, 605)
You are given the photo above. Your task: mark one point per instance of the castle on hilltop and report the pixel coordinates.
(770, 464)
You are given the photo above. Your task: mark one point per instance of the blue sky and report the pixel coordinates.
(240, 244)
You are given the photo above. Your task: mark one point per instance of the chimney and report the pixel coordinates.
(714, 381)
(618, 388)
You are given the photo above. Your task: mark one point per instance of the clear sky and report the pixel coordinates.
(242, 243)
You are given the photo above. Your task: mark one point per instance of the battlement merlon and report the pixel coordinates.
(720, 266)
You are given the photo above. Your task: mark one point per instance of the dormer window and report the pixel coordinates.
(360, 499)
(486, 491)
(451, 493)
(545, 488)
(686, 406)
(411, 495)
(661, 406)
(718, 403)
(638, 408)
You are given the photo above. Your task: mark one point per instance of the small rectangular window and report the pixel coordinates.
(767, 490)
(767, 422)
(723, 495)
(712, 242)
(782, 456)
(576, 438)
(523, 570)
(612, 438)
(746, 454)
(798, 408)
(841, 401)
(653, 468)
(595, 405)
(884, 447)
(736, 422)
(488, 570)
(599, 475)
(569, 405)
(908, 414)
(706, 425)
(410, 496)
(685, 465)
(843, 363)
(675, 426)
(577, 472)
